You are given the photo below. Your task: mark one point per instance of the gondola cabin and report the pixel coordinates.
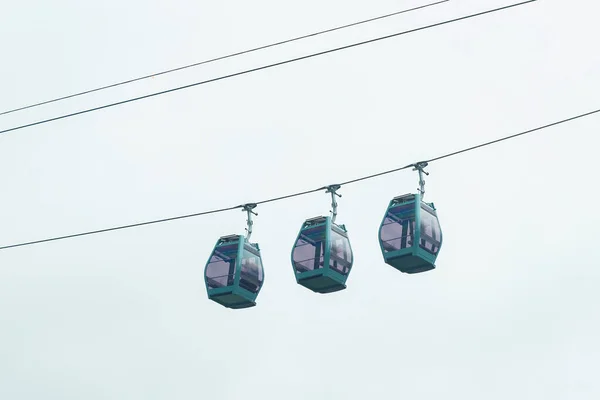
(410, 235)
(234, 273)
(322, 256)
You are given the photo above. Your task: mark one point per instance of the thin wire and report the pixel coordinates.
(239, 53)
(248, 71)
(514, 136)
(289, 196)
(309, 191)
(120, 227)
(364, 178)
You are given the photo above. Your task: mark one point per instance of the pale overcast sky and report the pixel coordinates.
(510, 312)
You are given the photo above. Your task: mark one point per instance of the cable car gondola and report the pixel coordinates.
(410, 235)
(234, 272)
(322, 256)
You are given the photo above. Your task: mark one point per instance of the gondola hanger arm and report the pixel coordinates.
(333, 190)
(420, 166)
(248, 209)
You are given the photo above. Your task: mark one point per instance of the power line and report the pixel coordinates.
(239, 53)
(297, 194)
(248, 71)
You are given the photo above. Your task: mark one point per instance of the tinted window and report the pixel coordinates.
(251, 273)
(340, 254)
(431, 234)
(309, 250)
(220, 270)
(398, 227)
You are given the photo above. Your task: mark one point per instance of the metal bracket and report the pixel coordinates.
(420, 167)
(333, 190)
(248, 209)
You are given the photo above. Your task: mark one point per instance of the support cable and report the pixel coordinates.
(277, 64)
(239, 53)
(302, 193)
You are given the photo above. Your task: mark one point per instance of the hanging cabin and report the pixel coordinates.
(234, 272)
(322, 256)
(410, 236)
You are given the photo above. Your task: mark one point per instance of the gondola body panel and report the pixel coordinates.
(234, 273)
(322, 256)
(410, 236)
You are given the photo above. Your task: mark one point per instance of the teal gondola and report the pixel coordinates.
(234, 272)
(322, 256)
(410, 235)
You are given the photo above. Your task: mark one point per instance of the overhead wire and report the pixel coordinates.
(514, 136)
(231, 55)
(248, 71)
(305, 192)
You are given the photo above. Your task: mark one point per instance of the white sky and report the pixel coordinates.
(511, 311)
